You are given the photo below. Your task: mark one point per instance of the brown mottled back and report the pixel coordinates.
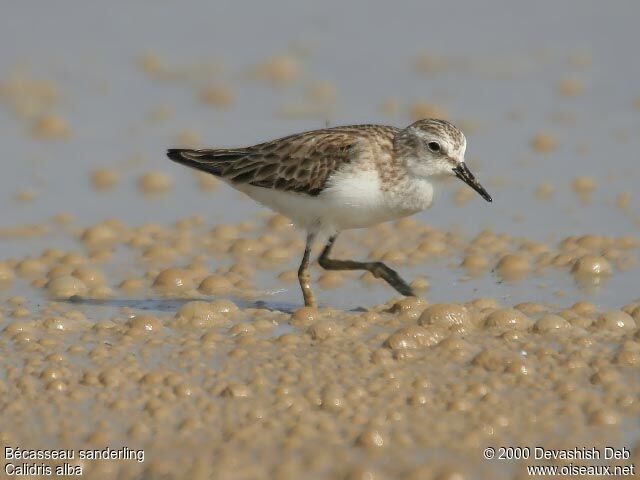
(302, 162)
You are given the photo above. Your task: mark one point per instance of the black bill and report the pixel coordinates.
(464, 174)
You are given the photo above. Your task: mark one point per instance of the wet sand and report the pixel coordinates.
(150, 309)
(132, 340)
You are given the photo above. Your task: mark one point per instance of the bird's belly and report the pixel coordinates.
(341, 206)
(348, 216)
(305, 211)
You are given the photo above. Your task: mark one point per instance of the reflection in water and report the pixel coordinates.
(591, 285)
(172, 305)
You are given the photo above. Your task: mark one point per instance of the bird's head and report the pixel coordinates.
(434, 148)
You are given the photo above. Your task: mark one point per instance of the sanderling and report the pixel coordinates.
(340, 178)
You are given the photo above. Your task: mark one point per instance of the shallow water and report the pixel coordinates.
(550, 106)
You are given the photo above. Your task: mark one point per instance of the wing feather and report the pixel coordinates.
(301, 163)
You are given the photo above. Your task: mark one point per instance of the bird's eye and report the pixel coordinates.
(434, 146)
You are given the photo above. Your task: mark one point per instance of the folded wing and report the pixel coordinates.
(300, 163)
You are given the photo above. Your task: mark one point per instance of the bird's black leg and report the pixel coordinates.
(378, 269)
(304, 276)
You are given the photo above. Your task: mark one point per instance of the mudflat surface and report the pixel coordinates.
(152, 311)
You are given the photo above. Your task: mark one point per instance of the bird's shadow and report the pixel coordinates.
(170, 305)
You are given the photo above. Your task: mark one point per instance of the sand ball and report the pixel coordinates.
(91, 277)
(217, 96)
(198, 314)
(371, 439)
(513, 267)
(173, 280)
(330, 279)
(236, 390)
(100, 235)
(409, 306)
(615, 320)
(446, 315)
(155, 182)
(589, 265)
(31, 268)
(551, 323)
(584, 186)
(131, 285)
(304, 316)
(225, 232)
(544, 191)
(145, 323)
(508, 318)
(51, 127)
(475, 262)
(6, 274)
(104, 178)
(242, 247)
(545, 143)
(571, 87)
(415, 336)
(66, 286)
(280, 70)
(324, 329)
(214, 284)
(224, 306)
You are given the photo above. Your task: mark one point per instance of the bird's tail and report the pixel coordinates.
(215, 161)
